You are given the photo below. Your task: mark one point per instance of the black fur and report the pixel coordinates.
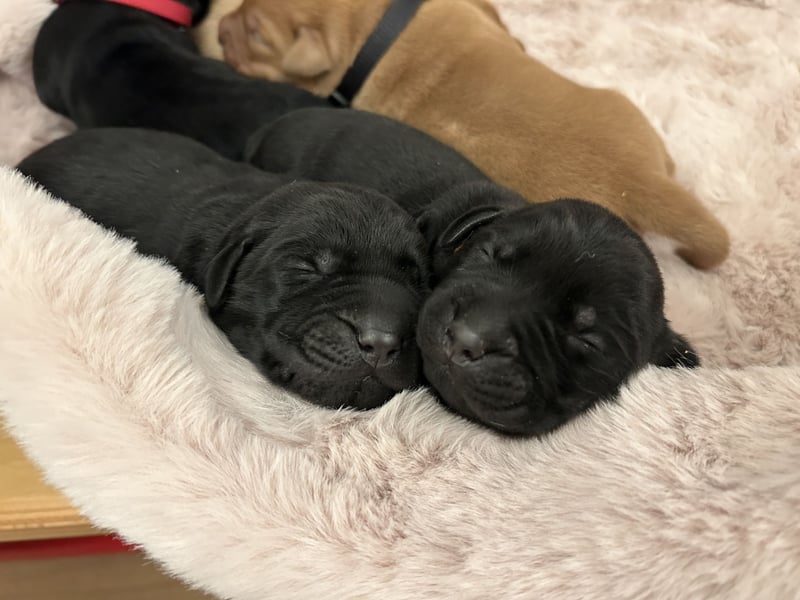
(105, 64)
(582, 299)
(298, 275)
(542, 310)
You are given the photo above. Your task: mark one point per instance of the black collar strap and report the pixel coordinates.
(394, 20)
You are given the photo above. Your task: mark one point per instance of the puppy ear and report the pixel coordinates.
(220, 271)
(307, 56)
(673, 350)
(450, 219)
(443, 248)
(460, 229)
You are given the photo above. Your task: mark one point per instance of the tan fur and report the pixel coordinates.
(206, 34)
(456, 73)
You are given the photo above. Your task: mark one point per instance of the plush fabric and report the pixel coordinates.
(116, 383)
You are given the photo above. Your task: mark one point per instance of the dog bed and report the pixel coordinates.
(116, 383)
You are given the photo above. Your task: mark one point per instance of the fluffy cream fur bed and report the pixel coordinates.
(689, 487)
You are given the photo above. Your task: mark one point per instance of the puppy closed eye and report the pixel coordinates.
(325, 262)
(584, 343)
(322, 263)
(502, 253)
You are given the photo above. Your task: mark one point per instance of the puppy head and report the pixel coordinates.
(325, 298)
(309, 43)
(546, 310)
(312, 43)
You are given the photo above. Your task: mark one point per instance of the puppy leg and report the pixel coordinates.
(662, 206)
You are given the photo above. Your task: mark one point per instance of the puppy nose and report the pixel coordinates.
(468, 340)
(378, 348)
(466, 345)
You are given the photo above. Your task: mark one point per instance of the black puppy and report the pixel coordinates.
(547, 371)
(319, 285)
(88, 52)
(543, 309)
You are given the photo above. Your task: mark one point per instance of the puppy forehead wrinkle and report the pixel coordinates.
(590, 254)
(582, 223)
(366, 245)
(387, 235)
(362, 206)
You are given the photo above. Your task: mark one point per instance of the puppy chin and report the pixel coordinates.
(363, 394)
(492, 391)
(495, 391)
(499, 401)
(328, 371)
(355, 387)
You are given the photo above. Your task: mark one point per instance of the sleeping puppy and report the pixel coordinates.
(537, 311)
(542, 310)
(456, 73)
(317, 285)
(431, 181)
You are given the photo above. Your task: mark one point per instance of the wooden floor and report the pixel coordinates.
(32, 510)
(29, 508)
(124, 576)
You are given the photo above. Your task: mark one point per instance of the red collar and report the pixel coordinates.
(171, 10)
